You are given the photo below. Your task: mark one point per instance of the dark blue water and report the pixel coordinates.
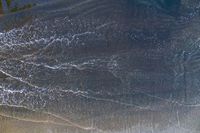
(111, 66)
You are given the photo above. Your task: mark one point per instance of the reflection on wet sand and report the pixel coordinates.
(172, 118)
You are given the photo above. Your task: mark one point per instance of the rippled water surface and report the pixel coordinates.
(100, 66)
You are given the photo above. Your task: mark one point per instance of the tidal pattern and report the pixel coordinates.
(100, 66)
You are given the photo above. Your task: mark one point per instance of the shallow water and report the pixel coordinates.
(109, 66)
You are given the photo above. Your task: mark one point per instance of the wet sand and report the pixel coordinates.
(89, 66)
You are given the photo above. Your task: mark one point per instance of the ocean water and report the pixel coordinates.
(109, 66)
